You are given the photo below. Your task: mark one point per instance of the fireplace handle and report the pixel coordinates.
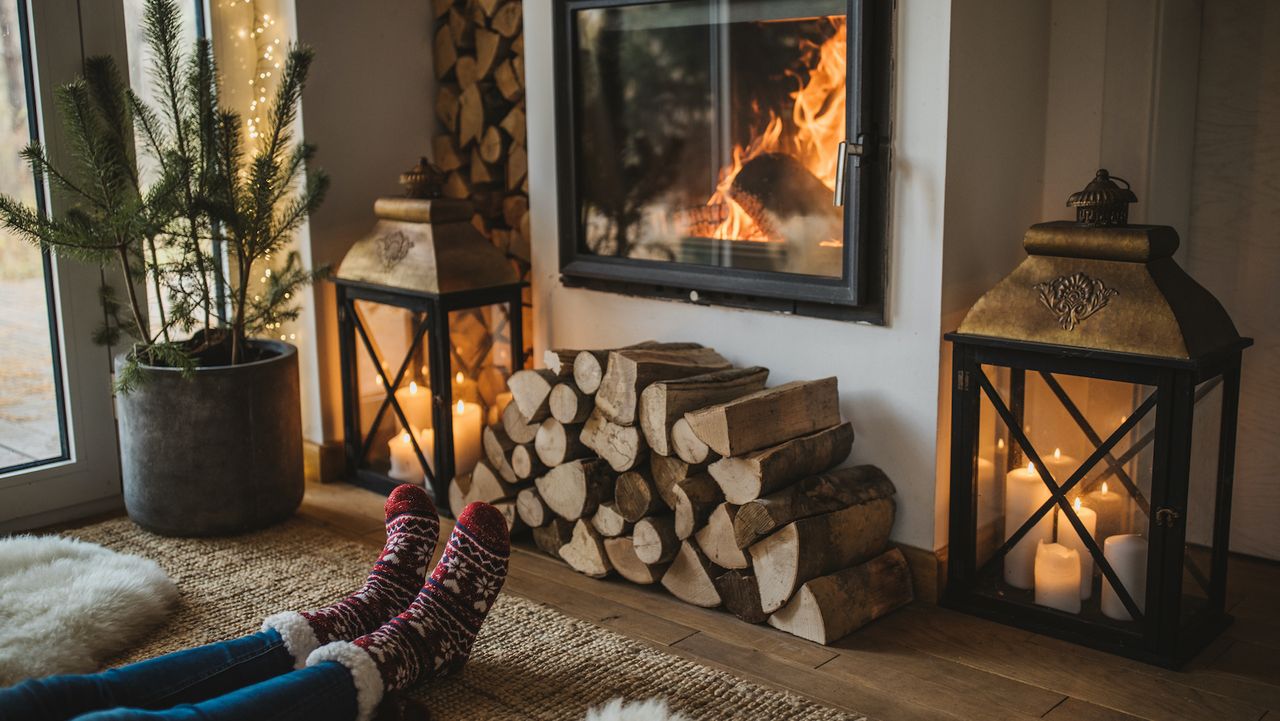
(847, 150)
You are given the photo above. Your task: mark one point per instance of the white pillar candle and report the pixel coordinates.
(1024, 492)
(416, 404)
(404, 461)
(1060, 466)
(1111, 508)
(1058, 577)
(467, 422)
(1068, 537)
(1127, 554)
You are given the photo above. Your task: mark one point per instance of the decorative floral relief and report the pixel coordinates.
(393, 247)
(1074, 298)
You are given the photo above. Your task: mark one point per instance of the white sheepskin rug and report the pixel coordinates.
(67, 605)
(654, 709)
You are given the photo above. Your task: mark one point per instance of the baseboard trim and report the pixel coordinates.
(61, 518)
(928, 571)
(323, 462)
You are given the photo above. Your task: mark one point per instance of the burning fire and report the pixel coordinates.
(818, 115)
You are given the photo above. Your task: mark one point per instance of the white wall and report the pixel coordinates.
(368, 108)
(888, 375)
(1232, 246)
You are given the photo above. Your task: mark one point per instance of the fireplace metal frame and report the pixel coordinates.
(857, 295)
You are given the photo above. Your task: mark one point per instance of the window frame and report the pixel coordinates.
(857, 295)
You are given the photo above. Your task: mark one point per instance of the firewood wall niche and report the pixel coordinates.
(725, 152)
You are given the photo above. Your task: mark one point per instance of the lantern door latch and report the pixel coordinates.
(847, 151)
(962, 380)
(1166, 517)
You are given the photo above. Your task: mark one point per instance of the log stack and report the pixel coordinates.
(666, 464)
(479, 65)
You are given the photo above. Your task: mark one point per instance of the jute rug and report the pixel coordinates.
(530, 661)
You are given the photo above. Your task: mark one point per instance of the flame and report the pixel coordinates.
(818, 116)
(413, 388)
(1077, 504)
(1104, 487)
(461, 407)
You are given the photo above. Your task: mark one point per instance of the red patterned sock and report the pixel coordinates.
(412, 530)
(435, 635)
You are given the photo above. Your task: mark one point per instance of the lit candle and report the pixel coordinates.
(1068, 537)
(1058, 577)
(416, 404)
(1111, 508)
(1060, 466)
(467, 422)
(1024, 492)
(1127, 554)
(404, 461)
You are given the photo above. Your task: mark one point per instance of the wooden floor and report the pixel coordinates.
(921, 662)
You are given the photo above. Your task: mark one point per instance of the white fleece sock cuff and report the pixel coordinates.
(298, 636)
(364, 674)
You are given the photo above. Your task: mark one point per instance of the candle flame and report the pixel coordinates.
(1057, 453)
(378, 380)
(404, 438)
(999, 443)
(413, 388)
(459, 377)
(1031, 467)
(1077, 504)
(461, 407)
(1104, 486)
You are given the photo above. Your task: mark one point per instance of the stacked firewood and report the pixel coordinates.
(479, 65)
(668, 465)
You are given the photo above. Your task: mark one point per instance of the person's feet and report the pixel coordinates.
(412, 531)
(435, 635)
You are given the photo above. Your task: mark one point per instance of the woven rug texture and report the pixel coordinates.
(530, 661)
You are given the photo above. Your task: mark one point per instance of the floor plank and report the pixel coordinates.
(1073, 709)
(1071, 670)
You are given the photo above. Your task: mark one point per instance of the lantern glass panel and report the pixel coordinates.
(1202, 498)
(391, 331)
(1064, 420)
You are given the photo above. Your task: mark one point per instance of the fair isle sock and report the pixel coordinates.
(435, 635)
(412, 530)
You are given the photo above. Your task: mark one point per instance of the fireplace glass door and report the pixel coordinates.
(706, 137)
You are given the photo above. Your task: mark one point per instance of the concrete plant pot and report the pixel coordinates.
(216, 454)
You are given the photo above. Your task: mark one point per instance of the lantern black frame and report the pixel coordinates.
(434, 329)
(1160, 635)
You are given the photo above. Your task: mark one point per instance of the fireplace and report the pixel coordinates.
(725, 152)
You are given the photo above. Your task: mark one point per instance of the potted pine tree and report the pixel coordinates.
(208, 405)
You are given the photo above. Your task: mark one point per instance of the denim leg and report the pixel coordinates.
(176, 678)
(323, 692)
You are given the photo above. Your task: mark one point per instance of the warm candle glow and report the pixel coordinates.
(459, 378)
(413, 388)
(1104, 486)
(1057, 454)
(461, 407)
(404, 438)
(1077, 505)
(1000, 443)
(1031, 467)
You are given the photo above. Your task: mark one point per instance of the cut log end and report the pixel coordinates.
(585, 552)
(831, 607)
(622, 555)
(691, 577)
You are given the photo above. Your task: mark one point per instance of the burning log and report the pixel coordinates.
(787, 202)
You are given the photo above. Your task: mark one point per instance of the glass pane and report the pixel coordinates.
(1202, 498)
(30, 397)
(1065, 419)
(391, 331)
(481, 365)
(709, 132)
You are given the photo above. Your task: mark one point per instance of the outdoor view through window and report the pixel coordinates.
(708, 132)
(29, 425)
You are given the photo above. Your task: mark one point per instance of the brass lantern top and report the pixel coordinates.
(1103, 284)
(424, 243)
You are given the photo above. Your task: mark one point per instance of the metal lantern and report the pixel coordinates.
(1093, 429)
(429, 326)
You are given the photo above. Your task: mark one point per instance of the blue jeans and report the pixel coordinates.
(250, 679)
